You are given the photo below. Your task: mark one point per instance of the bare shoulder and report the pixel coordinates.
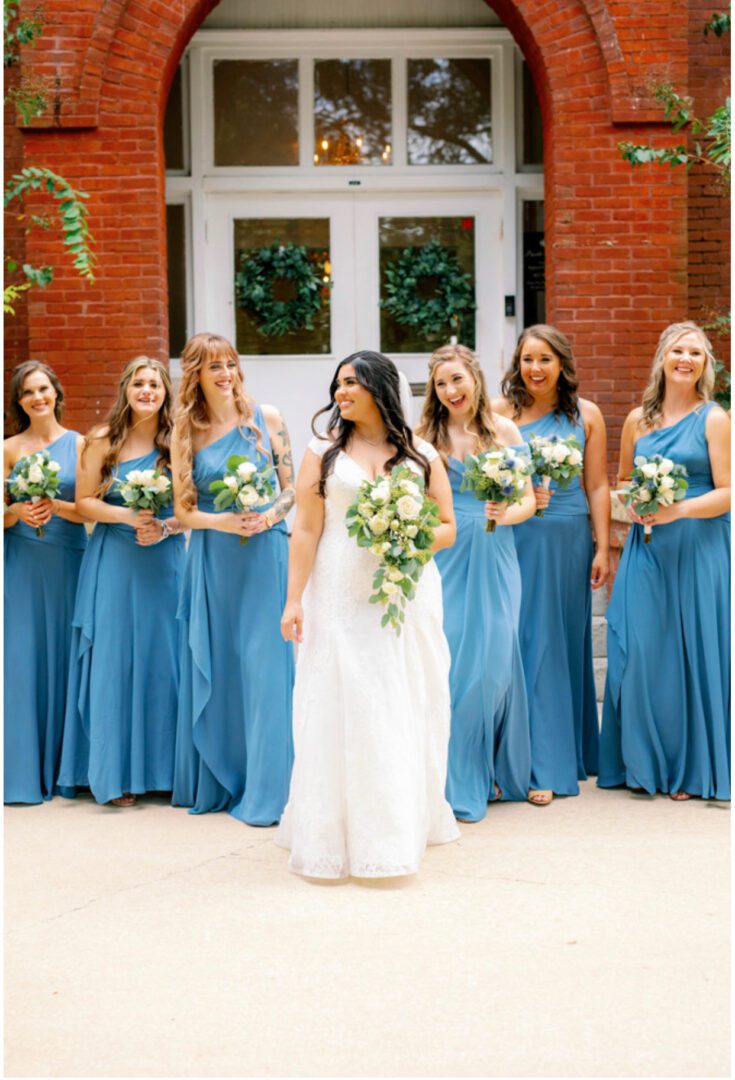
(96, 445)
(271, 414)
(633, 420)
(590, 412)
(502, 407)
(507, 430)
(718, 421)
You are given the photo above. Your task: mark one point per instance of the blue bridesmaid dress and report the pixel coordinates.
(234, 747)
(555, 557)
(123, 678)
(666, 717)
(40, 584)
(489, 743)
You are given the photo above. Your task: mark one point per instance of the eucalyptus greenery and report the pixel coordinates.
(453, 302)
(262, 269)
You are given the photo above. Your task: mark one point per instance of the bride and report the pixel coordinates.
(371, 710)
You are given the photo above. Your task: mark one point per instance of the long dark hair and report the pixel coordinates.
(513, 388)
(379, 376)
(18, 416)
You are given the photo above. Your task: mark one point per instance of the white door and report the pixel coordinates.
(357, 234)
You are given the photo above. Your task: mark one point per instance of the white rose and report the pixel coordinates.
(365, 509)
(666, 483)
(411, 531)
(575, 457)
(231, 482)
(411, 488)
(491, 469)
(560, 453)
(246, 470)
(377, 525)
(381, 492)
(21, 484)
(650, 470)
(35, 474)
(146, 475)
(408, 508)
(161, 483)
(547, 453)
(644, 495)
(390, 588)
(666, 497)
(395, 575)
(665, 467)
(248, 496)
(53, 466)
(134, 476)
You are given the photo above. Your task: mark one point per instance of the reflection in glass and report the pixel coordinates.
(449, 112)
(173, 126)
(352, 112)
(534, 263)
(457, 234)
(256, 112)
(176, 274)
(256, 233)
(533, 134)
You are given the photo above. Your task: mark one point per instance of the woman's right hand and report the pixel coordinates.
(33, 513)
(292, 621)
(231, 522)
(543, 497)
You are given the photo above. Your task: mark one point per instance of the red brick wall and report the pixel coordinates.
(617, 239)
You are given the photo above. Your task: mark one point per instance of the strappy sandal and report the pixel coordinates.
(126, 799)
(540, 797)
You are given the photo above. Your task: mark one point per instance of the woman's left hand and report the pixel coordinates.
(600, 570)
(150, 532)
(663, 515)
(253, 522)
(496, 511)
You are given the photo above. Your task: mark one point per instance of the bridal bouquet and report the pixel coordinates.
(146, 489)
(655, 481)
(36, 477)
(395, 520)
(496, 476)
(243, 486)
(556, 459)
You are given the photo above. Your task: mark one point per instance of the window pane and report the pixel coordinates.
(533, 134)
(176, 275)
(457, 236)
(173, 126)
(256, 107)
(252, 234)
(449, 112)
(534, 264)
(352, 112)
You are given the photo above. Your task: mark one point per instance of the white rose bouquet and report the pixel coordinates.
(146, 489)
(655, 481)
(556, 459)
(243, 486)
(497, 475)
(36, 477)
(394, 519)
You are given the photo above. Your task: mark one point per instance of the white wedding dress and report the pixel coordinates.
(371, 713)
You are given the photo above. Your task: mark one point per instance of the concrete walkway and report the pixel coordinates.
(590, 938)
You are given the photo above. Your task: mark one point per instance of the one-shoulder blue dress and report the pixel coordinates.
(123, 678)
(40, 584)
(555, 556)
(666, 716)
(234, 747)
(489, 743)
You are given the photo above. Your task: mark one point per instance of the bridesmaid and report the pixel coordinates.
(489, 746)
(666, 717)
(40, 582)
(555, 553)
(123, 679)
(233, 748)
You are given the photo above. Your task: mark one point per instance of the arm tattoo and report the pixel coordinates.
(283, 461)
(283, 503)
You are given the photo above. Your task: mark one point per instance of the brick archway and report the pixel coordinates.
(616, 240)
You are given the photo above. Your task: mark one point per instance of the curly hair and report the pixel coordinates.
(191, 411)
(513, 388)
(18, 416)
(379, 376)
(433, 423)
(119, 422)
(653, 396)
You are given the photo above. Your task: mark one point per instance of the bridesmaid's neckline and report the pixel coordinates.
(670, 427)
(139, 457)
(538, 419)
(235, 427)
(47, 446)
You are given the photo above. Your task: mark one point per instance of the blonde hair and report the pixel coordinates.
(119, 422)
(192, 414)
(653, 396)
(433, 423)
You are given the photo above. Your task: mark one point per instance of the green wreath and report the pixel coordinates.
(291, 268)
(448, 301)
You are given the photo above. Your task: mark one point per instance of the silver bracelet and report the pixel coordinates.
(166, 530)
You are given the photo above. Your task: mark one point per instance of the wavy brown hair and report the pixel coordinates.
(513, 388)
(379, 375)
(191, 410)
(18, 416)
(433, 423)
(119, 422)
(653, 395)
